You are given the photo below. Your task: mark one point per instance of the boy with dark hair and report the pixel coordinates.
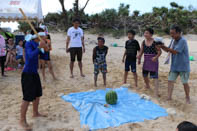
(186, 126)
(99, 60)
(132, 48)
(75, 46)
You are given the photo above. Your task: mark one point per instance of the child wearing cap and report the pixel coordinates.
(30, 80)
(99, 60)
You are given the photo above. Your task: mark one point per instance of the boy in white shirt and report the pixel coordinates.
(75, 38)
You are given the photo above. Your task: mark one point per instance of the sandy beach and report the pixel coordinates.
(63, 117)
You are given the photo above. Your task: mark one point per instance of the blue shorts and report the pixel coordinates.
(153, 75)
(45, 56)
(100, 68)
(130, 65)
(19, 57)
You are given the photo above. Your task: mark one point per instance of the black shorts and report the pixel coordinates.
(130, 65)
(153, 75)
(75, 51)
(31, 86)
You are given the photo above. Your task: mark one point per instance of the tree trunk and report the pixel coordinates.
(76, 8)
(65, 20)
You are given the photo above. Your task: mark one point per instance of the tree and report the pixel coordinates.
(174, 4)
(64, 14)
(24, 26)
(136, 13)
(123, 10)
(77, 10)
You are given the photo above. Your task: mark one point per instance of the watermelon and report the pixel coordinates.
(111, 97)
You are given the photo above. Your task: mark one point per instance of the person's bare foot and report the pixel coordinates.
(25, 126)
(146, 87)
(82, 75)
(71, 76)
(95, 85)
(188, 101)
(55, 79)
(44, 79)
(169, 99)
(134, 86)
(4, 76)
(157, 95)
(39, 115)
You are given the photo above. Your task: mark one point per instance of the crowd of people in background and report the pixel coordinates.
(12, 52)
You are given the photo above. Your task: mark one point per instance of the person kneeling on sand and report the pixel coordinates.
(99, 60)
(180, 64)
(31, 84)
(186, 126)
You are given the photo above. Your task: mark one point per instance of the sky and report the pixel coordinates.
(96, 6)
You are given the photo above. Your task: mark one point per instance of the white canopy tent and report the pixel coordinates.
(9, 10)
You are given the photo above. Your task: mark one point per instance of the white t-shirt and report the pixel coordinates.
(75, 36)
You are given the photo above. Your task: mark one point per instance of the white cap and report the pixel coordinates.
(158, 39)
(40, 34)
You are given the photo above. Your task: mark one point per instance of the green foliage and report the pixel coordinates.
(123, 10)
(173, 4)
(24, 26)
(136, 13)
(116, 21)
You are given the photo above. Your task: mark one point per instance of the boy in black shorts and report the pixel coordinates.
(132, 48)
(75, 39)
(31, 84)
(99, 60)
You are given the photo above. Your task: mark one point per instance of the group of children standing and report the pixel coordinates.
(132, 54)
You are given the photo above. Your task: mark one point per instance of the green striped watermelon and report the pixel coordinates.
(111, 97)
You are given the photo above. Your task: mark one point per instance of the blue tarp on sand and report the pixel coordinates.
(129, 108)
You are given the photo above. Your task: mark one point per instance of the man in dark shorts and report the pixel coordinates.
(75, 38)
(132, 48)
(31, 85)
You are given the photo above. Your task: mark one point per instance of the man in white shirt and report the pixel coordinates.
(75, 38)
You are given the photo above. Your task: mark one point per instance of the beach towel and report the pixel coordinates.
(129, 108)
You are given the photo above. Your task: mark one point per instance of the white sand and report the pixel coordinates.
(63, 117)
